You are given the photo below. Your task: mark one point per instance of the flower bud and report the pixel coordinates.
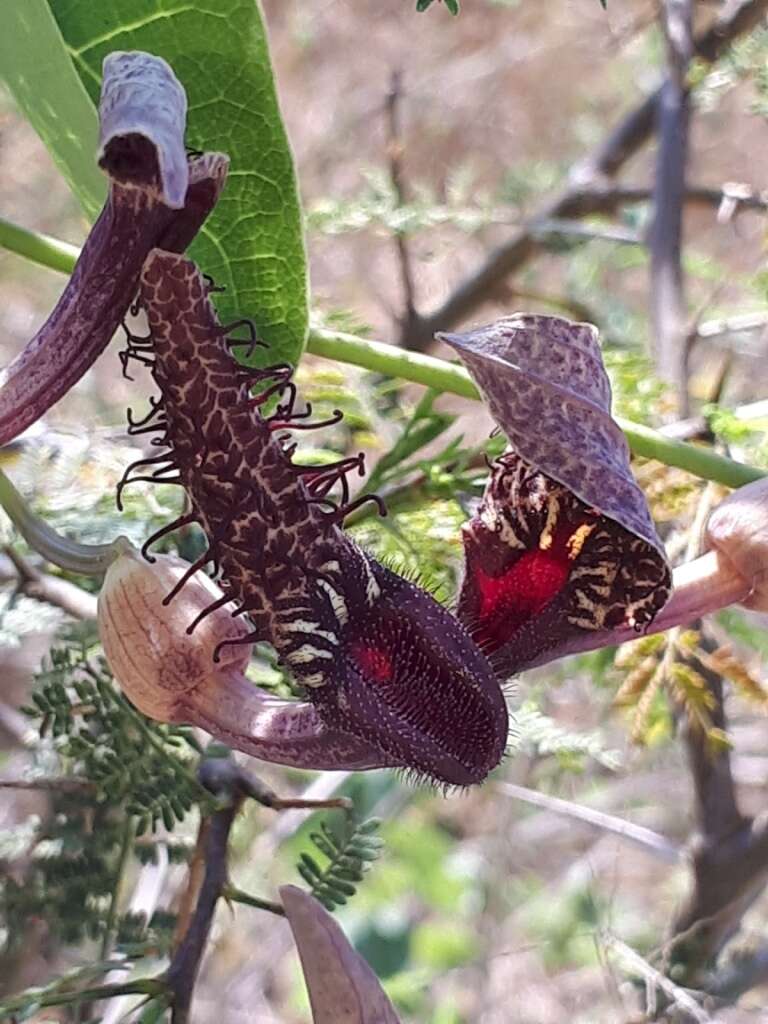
(153, 657)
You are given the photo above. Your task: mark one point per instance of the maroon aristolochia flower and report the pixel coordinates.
(380, 659)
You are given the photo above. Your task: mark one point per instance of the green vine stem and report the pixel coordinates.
(423, 369)
(85, 559)
(444, 376)
(39, 248)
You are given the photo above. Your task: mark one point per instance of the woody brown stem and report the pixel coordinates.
(729, 851)
(668, 311)
(605, 162)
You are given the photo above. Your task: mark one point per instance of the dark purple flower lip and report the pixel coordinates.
(381, 661)
(408, 678)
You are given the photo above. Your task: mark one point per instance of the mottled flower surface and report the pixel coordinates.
(563, 541)
(156, 197)
(378, 657)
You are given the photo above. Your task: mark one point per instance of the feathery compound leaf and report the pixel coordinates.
(540, 736)
(349, 854)
(130, 761)
(563, 541)
(725, 662)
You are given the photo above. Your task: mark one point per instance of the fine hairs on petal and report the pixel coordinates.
(379, 659)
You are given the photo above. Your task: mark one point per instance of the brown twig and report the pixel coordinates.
(729, 852)
(48, 589)
(560, 228)
(629, 137)
(654, 979)
(607, 198)
(223, 778)
(209, 878)
(641, 836)
(397, 177)
(668, 310)
(60, 785)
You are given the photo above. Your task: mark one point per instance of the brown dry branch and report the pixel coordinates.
(64, 784)
(641, 836)
(673, 114)
(223, 778)
(209, 876)
(395, 148)
(729, 199)
(677, 997)
(41, 586)
(605, 162)
(729, 851)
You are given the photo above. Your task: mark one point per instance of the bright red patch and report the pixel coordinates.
(375, 664)
(508, 601)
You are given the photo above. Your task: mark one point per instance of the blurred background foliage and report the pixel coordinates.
(487, 906)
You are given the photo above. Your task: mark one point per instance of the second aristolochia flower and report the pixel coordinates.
(563, 543)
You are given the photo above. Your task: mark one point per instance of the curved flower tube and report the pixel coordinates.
(170, 675)
(155, 198)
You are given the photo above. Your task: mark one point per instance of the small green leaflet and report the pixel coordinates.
(452, 5)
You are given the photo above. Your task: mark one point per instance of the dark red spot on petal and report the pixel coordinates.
(521, 585)
(374, 663)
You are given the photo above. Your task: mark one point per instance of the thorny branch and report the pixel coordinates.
(729, 851)
(41, 586)
(223, 779)
(643, 837)
(731, 197)
(605, 162)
